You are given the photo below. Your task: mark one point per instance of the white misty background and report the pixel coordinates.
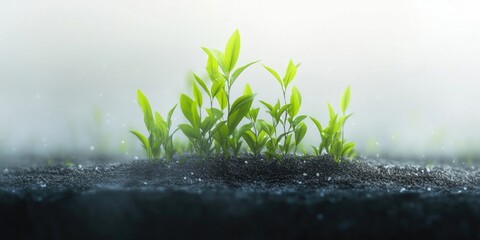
(69, 70)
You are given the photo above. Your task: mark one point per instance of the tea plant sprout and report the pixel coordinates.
(285, 115)
(219, 127)
(332, 136)
(160, 135)
(218, 123)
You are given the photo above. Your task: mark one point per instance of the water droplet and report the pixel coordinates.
(5, 170)
(304, 174)
(318, 174)
(191, 173)
(403, 190)
(96, 168)
(199, 179)
(329, 178)
(92, 148)
(299, 182)
(429, 189)
(246, 162)
(465, 188)
(184, 178)
(136, 158)
(79, 165)
(145, 183)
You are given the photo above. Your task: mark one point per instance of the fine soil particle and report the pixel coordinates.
(243, 198)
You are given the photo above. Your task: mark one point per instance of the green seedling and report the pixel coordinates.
(333, 142)
(255, 137)
(158, 129)
(215, 132)
(294, 129)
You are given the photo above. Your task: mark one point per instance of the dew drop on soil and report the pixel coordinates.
(5, 170)
(246, 162)
(145, 183)
(464, 188)
(429, 189)
(191, 173)
(304, 174)
(79, 165)
(329, 178)
(184, 178)
(136, 158)
(403, 190)
(199, 179)
(318, 174)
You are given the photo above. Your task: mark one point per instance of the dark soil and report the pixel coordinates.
(244, 198)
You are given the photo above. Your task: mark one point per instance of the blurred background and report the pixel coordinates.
(69, 70)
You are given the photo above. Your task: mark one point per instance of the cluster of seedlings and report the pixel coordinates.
(218, 123)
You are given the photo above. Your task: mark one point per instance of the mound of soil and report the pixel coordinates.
(243, 198)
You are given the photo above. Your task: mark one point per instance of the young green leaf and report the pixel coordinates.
(202, 84)
(222, 99)
(289, 74)
(143, 140)
(239, 70)
(268, 105)
(169, 116)
(300, 132)
(295, 102)
(219, 58)
(212, 65)
(147, 111)
(296, 121)
(253, 114)
(187, 105)
(197, 94)
(232, 50)
(276, 75)
(317, 123)
(239, 109)
(217, 86)
(250, 139)
(247, 90)
(189, 131)
(345, 100)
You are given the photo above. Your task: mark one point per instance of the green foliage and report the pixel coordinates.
(285, 116)
(218, 123)
(214, 133)
(158, 129)
(333, 142)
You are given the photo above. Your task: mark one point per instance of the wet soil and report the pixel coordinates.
(243, 198)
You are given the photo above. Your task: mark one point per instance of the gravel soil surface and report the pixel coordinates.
(243, 198)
